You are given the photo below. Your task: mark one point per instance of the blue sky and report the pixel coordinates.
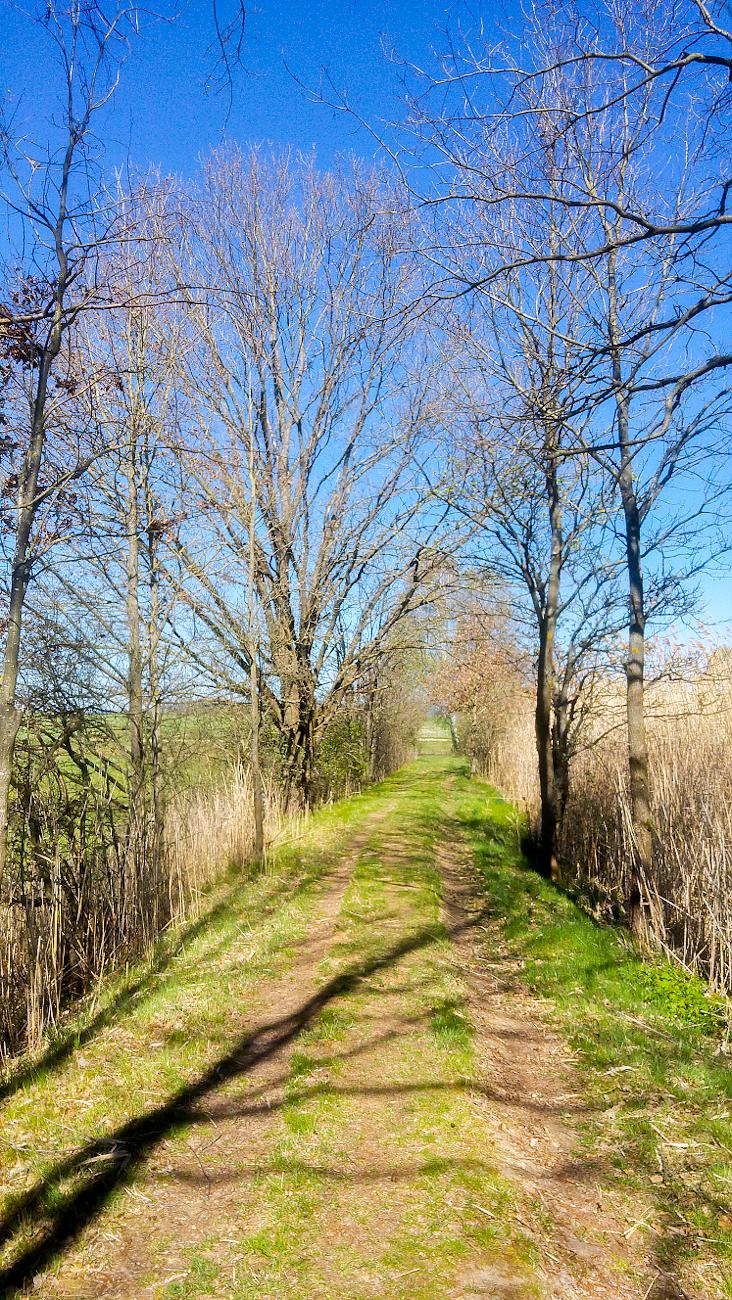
(163, 115)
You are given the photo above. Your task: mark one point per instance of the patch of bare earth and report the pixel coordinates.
(204, 1185)
(406, 1122)
(531, 1101)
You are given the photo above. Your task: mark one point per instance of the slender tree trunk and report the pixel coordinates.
(255, 710)
(640, 789)
(546, 674)
(638, 762)
(28, 506)
(156, 775)
(10, 714)
(370, 736)
(560, 745)
(135, 690)
(545, 753)
(139, 892)
(156, 745)
(254, 758)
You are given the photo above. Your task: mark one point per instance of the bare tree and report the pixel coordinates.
(131, 503)
(308, 420)
(664, 398)
(668, 67)
(641, 227)
(539, 511)
(63, 223)
(104, 579)
(518, 378)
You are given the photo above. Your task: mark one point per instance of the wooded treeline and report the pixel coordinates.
(273, 437)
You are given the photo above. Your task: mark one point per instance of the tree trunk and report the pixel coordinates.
(640, 787)
(545, 678)
(546, 860)
(140, 890)
(253, 651)
(135, 709)
(156, 774)
(560, 746)
(638, 763)
(306, 766)
(10, 714)
(370, 736)
(27, 509)
(254, 760)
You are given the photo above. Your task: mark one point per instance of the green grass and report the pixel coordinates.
(648, 1039)
(158, 1027)
(428, 1222)
(376, 1172)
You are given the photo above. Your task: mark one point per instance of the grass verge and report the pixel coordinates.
(648, 1040)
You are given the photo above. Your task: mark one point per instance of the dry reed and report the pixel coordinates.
(94, 914)
(690, 743)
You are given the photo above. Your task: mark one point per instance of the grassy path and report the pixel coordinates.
(397, 1065)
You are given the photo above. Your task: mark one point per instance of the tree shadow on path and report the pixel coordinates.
(105, 1163)
(155, 973)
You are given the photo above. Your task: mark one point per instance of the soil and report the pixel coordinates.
(201, 1187)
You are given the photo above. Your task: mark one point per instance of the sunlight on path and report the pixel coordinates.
(301, 1105)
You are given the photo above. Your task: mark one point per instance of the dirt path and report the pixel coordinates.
(535, 1102)
(190, 1188)
(389, 1116)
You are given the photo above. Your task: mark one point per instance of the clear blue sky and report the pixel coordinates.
(163, 114)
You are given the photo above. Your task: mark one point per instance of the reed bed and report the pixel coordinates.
(690, 743)
(104, 905)
(688, 896)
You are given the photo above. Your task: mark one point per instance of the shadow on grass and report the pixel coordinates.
(59, 1214)
(132, 992)
(104, 1164)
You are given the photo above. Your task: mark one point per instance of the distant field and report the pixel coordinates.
(434, 737)
(200, 744)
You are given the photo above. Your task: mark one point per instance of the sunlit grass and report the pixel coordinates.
(380, 1082)
(422, 1118)
(648, 1039)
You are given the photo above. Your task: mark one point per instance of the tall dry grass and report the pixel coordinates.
(509, 760)
(689, 896)
(690, 740)
(210, 831)
(89, 916)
